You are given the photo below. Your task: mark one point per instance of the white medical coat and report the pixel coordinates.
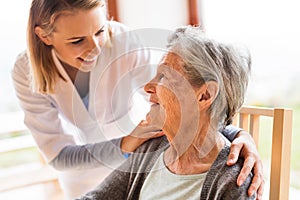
(61, 119)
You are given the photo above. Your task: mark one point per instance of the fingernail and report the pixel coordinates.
(239, 182)
(251, 193)
(230, 161)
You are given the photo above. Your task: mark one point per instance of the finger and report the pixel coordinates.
(234, 153)
(151, 134)
(256, 182)
(247, 167)
(143, 123)
(259, 186)
(157, 134)
(261, 190)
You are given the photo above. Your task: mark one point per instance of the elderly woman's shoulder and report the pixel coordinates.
(221, 179)
(154, 144)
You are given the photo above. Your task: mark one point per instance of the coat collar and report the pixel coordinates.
(67, 97)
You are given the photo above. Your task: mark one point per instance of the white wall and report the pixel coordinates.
(270, 30)
(165, 14)
(13, 22)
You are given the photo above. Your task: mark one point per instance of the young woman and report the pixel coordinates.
(75, 84)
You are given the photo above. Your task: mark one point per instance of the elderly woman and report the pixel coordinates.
(199, 86)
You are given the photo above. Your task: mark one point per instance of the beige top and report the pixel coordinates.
(163, 184)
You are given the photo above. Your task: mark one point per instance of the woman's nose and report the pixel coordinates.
(150, 87)
(94, 46)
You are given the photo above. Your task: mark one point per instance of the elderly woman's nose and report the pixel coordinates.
(150, 87)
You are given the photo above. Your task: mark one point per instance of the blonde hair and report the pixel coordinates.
(43, 13)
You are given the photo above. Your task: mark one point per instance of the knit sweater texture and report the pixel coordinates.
(126, 181)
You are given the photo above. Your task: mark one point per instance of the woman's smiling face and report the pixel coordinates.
(79, 36)
(171, 95)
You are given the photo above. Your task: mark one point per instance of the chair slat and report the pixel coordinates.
(254, 127)
(281, 154)
(248, 119)
(235, 120)
(244, 121)
(255, 110)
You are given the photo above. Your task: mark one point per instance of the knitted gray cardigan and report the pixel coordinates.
(126, 181)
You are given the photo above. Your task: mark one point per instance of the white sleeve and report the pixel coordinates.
(41, 116)
(59, 148)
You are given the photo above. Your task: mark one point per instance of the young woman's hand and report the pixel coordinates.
(243, 145)
(146, 129)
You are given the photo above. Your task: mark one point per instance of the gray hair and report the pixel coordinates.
(207, 60)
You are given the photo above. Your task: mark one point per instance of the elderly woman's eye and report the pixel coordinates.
(161, 76)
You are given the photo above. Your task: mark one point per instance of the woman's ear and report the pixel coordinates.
(208, 93)
(43, 36)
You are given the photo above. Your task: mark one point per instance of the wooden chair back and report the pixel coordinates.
(248, 118)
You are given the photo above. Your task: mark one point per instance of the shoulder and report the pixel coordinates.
(132, 173)
(154, 144)
(122, 35)
(117, 27)
(22, 59)
(219, 170)
(221, 179)
(21, 65)
(146, 155)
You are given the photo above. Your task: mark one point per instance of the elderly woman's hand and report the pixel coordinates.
(244, 144)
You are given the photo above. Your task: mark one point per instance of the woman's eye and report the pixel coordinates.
(161, 76)
(77, 41)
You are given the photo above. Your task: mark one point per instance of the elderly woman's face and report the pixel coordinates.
(171, 95)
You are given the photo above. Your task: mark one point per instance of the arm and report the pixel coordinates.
(41, 118)
(230, 132)
(88, 156)
(109, 153)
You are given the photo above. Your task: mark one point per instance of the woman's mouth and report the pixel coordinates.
(87, 64)
(88, 60)
(154, 104)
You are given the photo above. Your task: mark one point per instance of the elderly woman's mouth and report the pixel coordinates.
(154, 104)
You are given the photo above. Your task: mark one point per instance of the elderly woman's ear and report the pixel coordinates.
(207, 93)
